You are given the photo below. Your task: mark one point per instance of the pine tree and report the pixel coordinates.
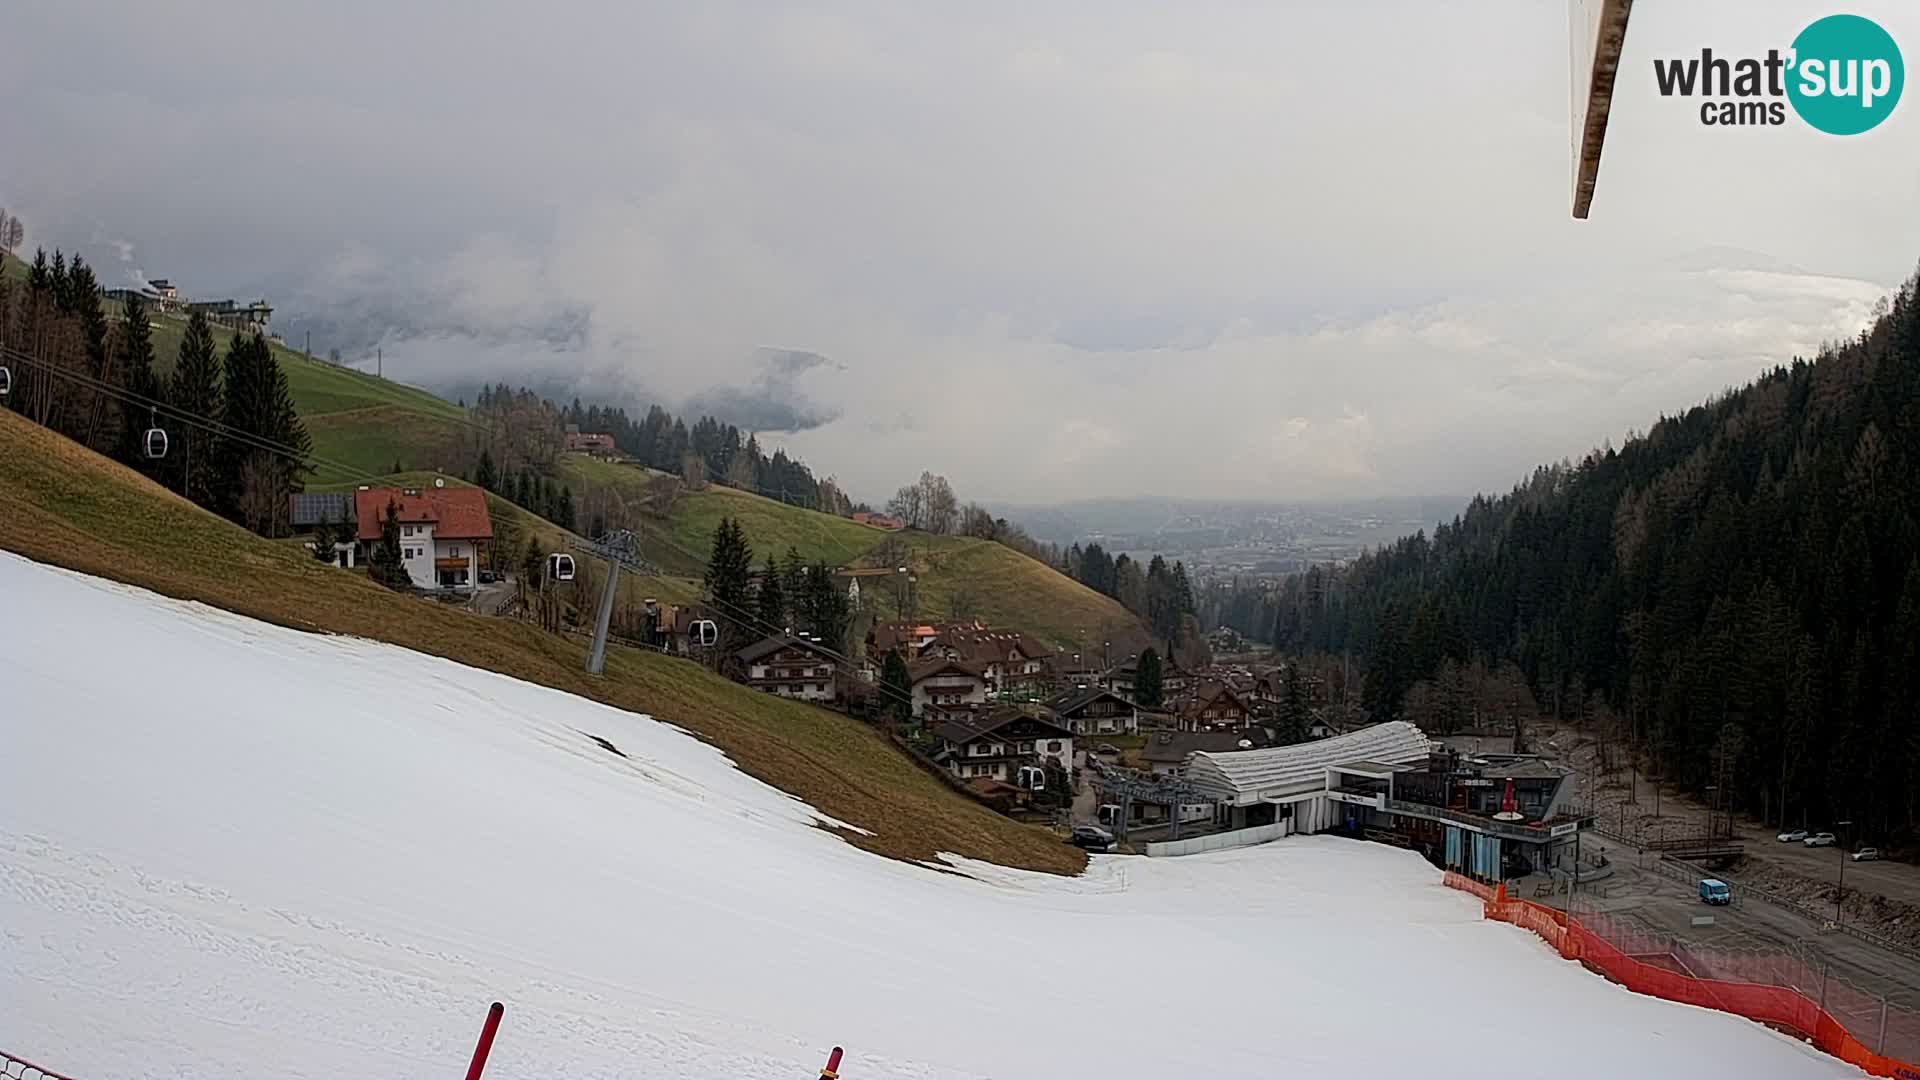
(729, 569)
(563, 508)
(899, 683)
(824, 607)
(793, 577)
(255, 479)
(196, 392)
(770, 604)
(323, 540)
(483, 473)
(1147, 678)
(1294, 715)
(135, 364)
(384, 563)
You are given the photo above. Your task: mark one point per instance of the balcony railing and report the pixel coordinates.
(1515, 830)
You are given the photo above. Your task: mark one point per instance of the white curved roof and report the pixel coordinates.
(1303, 766)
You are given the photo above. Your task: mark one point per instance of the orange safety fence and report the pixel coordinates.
(1779, 1006)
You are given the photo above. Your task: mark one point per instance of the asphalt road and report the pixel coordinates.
(1681, 815)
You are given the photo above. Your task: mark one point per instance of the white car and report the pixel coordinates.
(1793, 837)
(1819, 839)
(1867, 854)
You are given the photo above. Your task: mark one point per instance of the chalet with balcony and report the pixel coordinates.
(1095, 710)
(995, 743)
(790, 666)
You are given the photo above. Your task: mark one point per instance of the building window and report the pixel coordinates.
(1053, 746)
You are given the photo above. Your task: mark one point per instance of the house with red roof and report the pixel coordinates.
(443, 531)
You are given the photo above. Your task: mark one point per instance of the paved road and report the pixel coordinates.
(1681, 815)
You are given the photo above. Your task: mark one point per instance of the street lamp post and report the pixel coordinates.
(1711, 800)
(1840, 890)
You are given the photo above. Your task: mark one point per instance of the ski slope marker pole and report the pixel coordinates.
(832, 1071)
(487, 1032)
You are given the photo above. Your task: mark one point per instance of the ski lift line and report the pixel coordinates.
(258, 442)
(751, 619)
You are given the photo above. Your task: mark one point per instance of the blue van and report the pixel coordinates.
(1714, 891)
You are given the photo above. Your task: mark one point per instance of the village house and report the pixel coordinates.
(443, 531)
(907, 637)
(939, 682)
(1010, 660)
(1095, 710)
(579, 442)
(1212, 706)
(790, 666)
(233, 315)
(996, 743)
(308, 511)
(1121, 677)
(879, 521)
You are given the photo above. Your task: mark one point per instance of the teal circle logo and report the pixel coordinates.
(1847, 75)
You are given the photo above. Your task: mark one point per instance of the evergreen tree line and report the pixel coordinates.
(1163, 595)
(533, 493)
(1738, 590)
(59, 319)
(790, 595)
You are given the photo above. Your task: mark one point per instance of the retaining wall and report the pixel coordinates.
(1259, 834)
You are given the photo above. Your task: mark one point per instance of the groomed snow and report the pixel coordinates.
(232, 850)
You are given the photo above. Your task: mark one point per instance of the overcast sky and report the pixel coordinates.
(1254, 250)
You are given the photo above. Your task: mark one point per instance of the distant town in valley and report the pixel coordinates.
(1249, 539)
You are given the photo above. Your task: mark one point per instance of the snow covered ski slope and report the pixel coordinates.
(232, 850)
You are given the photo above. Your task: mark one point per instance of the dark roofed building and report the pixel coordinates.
(940, 683)
(1212, 706)
(1166, 752)
(790, 666)
(996, 743)
(1095, 710)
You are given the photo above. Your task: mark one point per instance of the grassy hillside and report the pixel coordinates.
(514, 527)
(770, 525)
(1005, 588)
(367, 424)
(63, 505)
(995, 583)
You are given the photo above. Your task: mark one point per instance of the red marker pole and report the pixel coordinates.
(832, 1071)
(486, 1041)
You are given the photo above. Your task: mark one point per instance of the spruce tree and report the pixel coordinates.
(135, 365)
(384, 562)
(484, 473)
(1294, 715)
(1147, 689)
(563, 508)
(770, 604)
(728, 571)
(196, 392)
(824, 606)
(899, 683)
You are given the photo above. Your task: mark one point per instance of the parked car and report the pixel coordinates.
(1867, 854)
(488, 577)
(1819, 839)
(1715, 891)
(1108, 749)
(1793, 837)
(1091, 837)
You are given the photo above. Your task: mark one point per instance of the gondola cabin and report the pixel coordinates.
(156, 444)
(560, 567)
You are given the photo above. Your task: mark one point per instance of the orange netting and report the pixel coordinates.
(1768, 987)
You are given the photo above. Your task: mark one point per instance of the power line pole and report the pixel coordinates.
(619, 548)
